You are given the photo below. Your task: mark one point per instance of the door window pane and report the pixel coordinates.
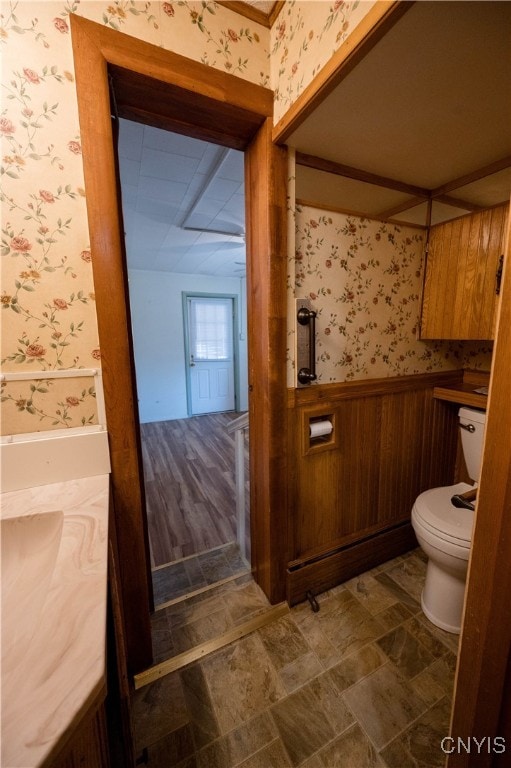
(211, 329)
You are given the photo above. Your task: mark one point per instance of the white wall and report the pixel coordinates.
(158, 338)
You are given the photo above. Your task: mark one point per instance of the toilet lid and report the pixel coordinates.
(435, 510)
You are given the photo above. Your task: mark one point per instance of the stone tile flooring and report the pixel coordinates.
(365, 682)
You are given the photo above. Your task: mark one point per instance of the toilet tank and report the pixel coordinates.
(472, 432)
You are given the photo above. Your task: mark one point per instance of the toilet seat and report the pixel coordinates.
(434, 511)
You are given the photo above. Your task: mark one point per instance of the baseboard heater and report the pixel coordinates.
(324, 571)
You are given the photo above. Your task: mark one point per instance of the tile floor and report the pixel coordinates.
(365, 682)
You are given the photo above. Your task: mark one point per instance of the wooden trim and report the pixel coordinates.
(339, 169)
(482, 701)
(405, 206)
(330, 393)
(359, 214)
(174, 84)
(209, 646)
(456, 202)
(201, 590)
(266, 200)
(253, 13)
(462, 181)
(114, 330)
(275, 11)
(348, 562)
(375, 24)
(248, 11)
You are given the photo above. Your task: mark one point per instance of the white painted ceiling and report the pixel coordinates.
(183, 203)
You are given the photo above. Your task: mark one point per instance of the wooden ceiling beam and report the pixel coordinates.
(310, 161)
(462, 181)
(405, 206)
(457, 202)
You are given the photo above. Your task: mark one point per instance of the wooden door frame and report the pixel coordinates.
(482, 702)
(163, 89)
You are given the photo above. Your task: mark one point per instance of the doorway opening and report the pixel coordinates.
(184, 221)
(163, 89)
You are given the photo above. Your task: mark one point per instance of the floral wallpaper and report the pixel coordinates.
(48, 309)
(48, 404)
(304, 37)
(363, 276)
(364, 279)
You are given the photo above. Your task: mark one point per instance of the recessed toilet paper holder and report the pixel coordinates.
(318, 431)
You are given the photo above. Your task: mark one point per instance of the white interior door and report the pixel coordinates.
(211, 351)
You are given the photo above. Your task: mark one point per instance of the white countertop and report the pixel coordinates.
(53, 638)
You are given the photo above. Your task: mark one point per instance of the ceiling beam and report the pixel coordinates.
(418, 194)
(462, 181)
(405, 206)
(457, 202)
(310, 161)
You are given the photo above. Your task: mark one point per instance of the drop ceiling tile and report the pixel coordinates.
(129, 196)
(160, 189)
(209, 158)
(222, 189)
(142, 233)
(180, 237)
(232, 166)
(156, 138)
(208, 207)
(198, 221)
(129, 171)
(158, 210)
(130, 140)
(165, 165)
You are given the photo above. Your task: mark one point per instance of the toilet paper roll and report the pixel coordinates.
(320, 428)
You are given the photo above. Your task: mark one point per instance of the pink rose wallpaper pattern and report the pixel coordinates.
(366, 289)
(48, 311)
(364, 278)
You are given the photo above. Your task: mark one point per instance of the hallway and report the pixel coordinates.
(190, 485)
(366, 682)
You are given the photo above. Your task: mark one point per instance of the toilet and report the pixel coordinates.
(444, 532)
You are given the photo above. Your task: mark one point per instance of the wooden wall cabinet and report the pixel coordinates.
(460, 289)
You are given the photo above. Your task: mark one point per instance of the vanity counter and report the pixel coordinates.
(54, 602)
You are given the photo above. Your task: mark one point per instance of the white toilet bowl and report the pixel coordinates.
(444, 533)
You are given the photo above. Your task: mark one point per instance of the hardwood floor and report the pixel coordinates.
(189, 482)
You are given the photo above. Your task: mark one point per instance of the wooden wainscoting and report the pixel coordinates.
(351, 493)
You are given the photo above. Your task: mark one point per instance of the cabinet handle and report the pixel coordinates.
(498, 276)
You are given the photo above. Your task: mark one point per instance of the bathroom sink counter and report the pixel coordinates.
(53, 644)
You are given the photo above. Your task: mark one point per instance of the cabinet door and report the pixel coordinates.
(460, 298)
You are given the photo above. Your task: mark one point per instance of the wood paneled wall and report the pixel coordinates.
(391, 440)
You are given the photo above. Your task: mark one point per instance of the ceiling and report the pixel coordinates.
(183, 203)
(429, 104)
